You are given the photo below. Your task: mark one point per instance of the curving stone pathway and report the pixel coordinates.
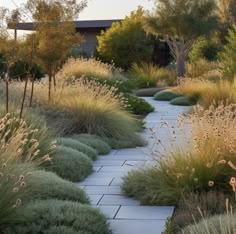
(126, 215)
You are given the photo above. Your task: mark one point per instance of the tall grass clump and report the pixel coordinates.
(205, 162)
(208, 93)
(13, 173)
(89, 68)
(89, 107)
(149, 75)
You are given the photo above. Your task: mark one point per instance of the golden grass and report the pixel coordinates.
(89, 68)
(208, 93)
(88, 107)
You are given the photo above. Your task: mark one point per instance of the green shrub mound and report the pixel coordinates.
(74, 144)
(137, 183)
(70, 164)
(54, 216)
(224, 224)
(47, 185)
(138, 106)
(135, 141)
(99, 145)
(182, 101)
(166, 95)
(148, 92)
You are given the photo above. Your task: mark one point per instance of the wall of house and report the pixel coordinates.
(90, 42)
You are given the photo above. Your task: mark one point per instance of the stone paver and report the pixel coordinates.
(126, 215)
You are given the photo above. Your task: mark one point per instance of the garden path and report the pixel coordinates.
(127, 215)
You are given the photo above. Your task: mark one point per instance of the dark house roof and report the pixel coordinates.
(80, 25)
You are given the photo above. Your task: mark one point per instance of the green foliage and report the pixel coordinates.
(228, 56)
(224, 224)
(148, 92)
(99, 145)
(126, 42)
(166, 95)
(148, 75)
(50, 216)
(137, 105)
(135, 141)
(205, 49)
(45, 185)
(74, 144)
(70, 164)
(183, 101)
(18, 70)
(183, 19)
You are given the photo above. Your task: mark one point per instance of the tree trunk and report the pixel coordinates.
(24, 95)
(54, 82)
(180, 63)
(7, 94)
(49, 84)
(32, 92)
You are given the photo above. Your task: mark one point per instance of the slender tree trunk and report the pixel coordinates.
(32, 92)
(7, 93)
(24, 95)
(49, 84)
(180, 63)
(54, 81)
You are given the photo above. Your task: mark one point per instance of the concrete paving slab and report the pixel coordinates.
(96, 181)
(137, 226)
(145, 212)
(111, 190)
(108, 211)
(118, 200)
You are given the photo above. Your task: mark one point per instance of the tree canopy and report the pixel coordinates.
(181, 22)
(126, 42)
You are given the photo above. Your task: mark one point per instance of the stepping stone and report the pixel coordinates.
(145, 212)
(137, 226)
(109, 211)
(96, 181)
(111, 190)
(117, 181)
(102, 162)
(118, 200)
(116, 168)
(95, 199)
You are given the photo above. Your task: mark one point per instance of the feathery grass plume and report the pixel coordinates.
(13, 173)
(89, 107)
(35, 137)
(208, 93)
(89, 68)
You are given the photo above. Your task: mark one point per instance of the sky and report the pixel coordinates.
(99, 9)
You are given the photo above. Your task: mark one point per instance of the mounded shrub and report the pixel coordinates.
(74, 144)
(45, 185)
(137, 105)
(50, 216)
(182, 101)
(165, 95)
(99, 145)
(70, 164)
(148, 92)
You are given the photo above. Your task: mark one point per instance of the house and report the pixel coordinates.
(90, 29)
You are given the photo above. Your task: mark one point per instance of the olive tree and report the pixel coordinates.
(181, 23)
